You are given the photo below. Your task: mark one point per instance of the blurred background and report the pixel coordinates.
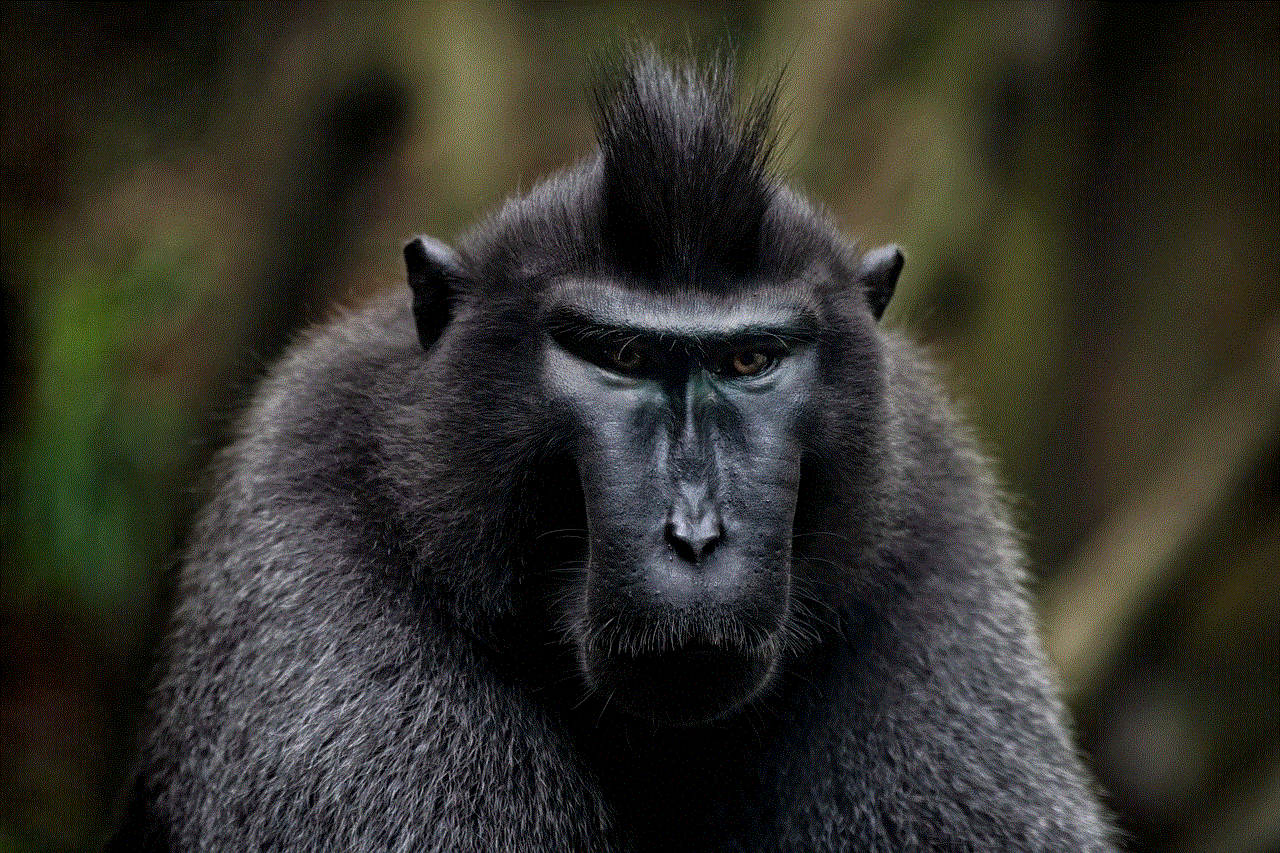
(1089, 197)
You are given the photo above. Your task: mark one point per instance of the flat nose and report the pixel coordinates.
(695, 524)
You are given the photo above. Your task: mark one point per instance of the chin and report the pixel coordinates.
(686, 685)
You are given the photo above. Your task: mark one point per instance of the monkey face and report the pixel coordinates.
(687, 412)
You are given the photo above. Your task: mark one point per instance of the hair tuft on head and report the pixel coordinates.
(686, 178)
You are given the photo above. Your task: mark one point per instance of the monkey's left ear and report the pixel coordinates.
(878, 274)
(434, 276)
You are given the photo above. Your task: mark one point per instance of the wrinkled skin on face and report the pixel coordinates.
(687, 418)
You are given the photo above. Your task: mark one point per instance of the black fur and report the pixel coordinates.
(374, 645)
(685, 197)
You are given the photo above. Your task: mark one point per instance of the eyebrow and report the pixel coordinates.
(607, 317)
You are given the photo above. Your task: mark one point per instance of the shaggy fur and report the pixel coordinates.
(372, 649)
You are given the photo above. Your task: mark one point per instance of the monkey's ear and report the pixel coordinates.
(434, 275)
(878, 274)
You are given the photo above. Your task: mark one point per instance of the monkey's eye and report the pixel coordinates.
(744, 363)
(626, 357)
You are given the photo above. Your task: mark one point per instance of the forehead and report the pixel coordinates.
(686, 311)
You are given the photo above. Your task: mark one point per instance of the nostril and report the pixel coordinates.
(693, 543)
(682, 547)
(709, 541)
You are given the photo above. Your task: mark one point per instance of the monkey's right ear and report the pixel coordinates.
(878, 274)
(434, 273)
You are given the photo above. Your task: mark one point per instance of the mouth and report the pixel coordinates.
(686, 685)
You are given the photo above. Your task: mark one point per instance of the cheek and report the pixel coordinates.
(762, 472)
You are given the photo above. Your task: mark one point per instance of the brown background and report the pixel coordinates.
(1088, 196)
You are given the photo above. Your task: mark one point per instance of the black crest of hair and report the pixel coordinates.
(685, 184)
(627, 526)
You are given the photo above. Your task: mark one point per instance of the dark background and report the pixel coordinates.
(1088, 196)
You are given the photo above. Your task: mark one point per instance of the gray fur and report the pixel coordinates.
(369, 654)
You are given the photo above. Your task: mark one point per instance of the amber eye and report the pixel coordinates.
(626, 357)
(749, 363)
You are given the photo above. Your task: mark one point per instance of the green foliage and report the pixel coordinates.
(91, 465)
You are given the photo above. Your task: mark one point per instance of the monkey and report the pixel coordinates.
(628, 527)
